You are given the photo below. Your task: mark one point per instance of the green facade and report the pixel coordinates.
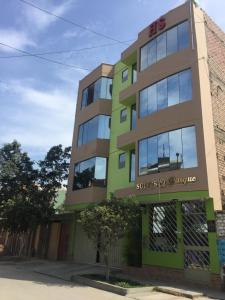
(119, 179)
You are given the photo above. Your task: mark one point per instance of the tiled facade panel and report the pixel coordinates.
(216, 61)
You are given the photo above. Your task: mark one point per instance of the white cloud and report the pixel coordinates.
(14, 38)
(41, 20)
(41, 118)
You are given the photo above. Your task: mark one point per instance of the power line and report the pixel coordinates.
(71, 22)
(61, 51)
(44, 58)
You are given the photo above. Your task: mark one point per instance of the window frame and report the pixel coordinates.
(106, 172)
(121, 165)
(155, 38)
(182, 168)
(132, 152)
(123, 118)
(156, 84)
(93, 85)
(82, 124)
(125, 78)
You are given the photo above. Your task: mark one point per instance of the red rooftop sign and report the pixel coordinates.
(157, 26)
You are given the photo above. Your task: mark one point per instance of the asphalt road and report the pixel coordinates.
(20, 282)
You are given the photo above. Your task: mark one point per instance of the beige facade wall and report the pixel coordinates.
(94, 148)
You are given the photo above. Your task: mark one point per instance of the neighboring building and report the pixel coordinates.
(152, 127)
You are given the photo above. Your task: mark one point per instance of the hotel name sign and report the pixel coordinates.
(157, 26)
(165, 182)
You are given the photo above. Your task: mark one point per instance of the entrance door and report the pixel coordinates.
(195, 238)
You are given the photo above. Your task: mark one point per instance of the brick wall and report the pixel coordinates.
(216, 62)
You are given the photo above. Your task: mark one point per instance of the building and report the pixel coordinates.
(152, 127)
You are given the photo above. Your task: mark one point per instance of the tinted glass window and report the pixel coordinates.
(124, 75)
(152, 52)
(134, 73)
(171, 41)
(163, 152)
(152, 99)
(133, 116)
(161, 46)
(168, 151)
(122, 161)
(96, 128)
(162, 94)
(91, 172)
(167, 92)
(185, 78)
(101, 89)
(132, 165)
(152, 155)
(173, 90)
(183, 35)
(143, 157)
(123, 115)
(189, 147)
(144, 103)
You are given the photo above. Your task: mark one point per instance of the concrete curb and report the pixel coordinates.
(111, 288)
(179, 292)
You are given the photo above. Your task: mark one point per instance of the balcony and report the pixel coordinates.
(88, 195)
(129, 56)
(127, 140)
(127, 96)
(98, 147)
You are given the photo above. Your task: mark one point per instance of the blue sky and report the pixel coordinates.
(38, 98)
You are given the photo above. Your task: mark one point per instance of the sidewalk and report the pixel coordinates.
(64, 271)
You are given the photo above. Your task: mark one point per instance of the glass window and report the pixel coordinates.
(104, 127)
(134, 73)
(101, 89)
(84, 98)
(123, 115)
(91, 172)
(121, 160)
(162, 94)
(173, 90)
(185, 81)
(144, 57)
(168, 151)
(161, 46)
(189, 147)
(96, 128)
(132, 165)
(172, 43)
(152, 52)
(143, 103)
(143, 157)
(97, 89)
(167, 92)
(152, 99)
(163, 152)
(124, 75)
(176, 151)
(183, 35)
(152, 157)
(133, 116)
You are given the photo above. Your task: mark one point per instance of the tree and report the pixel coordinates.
(107, 222)
(28, 193)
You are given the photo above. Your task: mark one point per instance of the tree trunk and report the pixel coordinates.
(107, 264)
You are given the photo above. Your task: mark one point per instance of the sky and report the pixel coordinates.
(38, 97)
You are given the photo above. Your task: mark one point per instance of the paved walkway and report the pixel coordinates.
(19, 282)
(44, 280)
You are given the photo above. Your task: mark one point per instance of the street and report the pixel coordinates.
(18, 281)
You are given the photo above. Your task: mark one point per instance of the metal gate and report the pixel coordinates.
(195, 235)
